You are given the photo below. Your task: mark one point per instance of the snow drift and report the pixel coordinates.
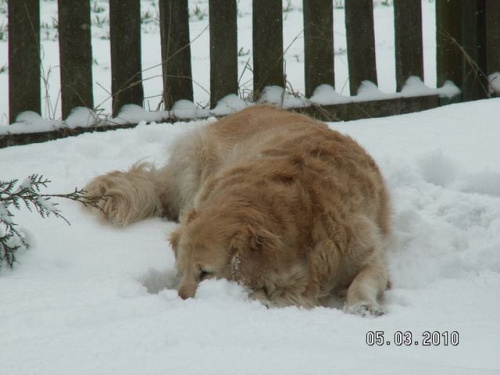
(92, 298)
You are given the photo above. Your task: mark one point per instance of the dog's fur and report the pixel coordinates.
(274, 200)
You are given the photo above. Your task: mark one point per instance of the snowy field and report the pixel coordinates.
(94, 299)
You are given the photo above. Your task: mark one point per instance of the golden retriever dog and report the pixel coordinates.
(272, 200)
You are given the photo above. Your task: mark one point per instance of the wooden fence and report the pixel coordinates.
(468, 45)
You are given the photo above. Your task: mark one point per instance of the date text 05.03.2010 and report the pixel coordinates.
(408, 338)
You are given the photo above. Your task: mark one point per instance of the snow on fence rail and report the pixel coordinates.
(468, 43)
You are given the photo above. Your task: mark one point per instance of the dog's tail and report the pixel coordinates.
(128, 196)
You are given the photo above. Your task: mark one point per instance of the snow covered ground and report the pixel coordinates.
(94, 299)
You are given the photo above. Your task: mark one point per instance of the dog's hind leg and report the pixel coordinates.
(128, 196)
(366, 288)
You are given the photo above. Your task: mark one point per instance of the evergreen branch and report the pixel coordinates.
(14, 195)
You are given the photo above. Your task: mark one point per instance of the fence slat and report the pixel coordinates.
(475, 83)
(448, 42)
(24, 57)
(360, 43)
(318, 44)
(75, 54)
(493, 33)
(125, 41)
(267, 44)
(175, 51)
(408, 38)
(223, 49)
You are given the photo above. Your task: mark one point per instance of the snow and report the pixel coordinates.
(81, 117)
(415, 87)
(133, 114)
(93, 298)
(326, 94)
(30, 122)
(185, 109)
(228, 104)
(280, 97)
(494, 80)
(368, 91)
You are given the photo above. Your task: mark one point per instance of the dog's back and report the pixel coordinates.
(231, 140)
(264, 132)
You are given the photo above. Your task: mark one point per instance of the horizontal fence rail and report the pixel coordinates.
(468, 50)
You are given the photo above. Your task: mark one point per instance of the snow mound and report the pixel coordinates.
(415, 87)
(185, 109)
(282, 98)
(30, 122)
(438, 169)
(369, 91)
(326, 94)
(82, 117)
(494, 80)
(133, 114)
(228, 104)
(485, 182)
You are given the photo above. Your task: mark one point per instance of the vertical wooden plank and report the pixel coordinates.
(125, 40)
(408, 38)
(267, 45)
(475, 82)
(24, 57)
(75, 55)
(448, 42)
(223, 49)
(175, 51)
(493, 33)
(318, 44)
(360, 43)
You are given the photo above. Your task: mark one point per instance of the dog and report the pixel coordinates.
(273, 200)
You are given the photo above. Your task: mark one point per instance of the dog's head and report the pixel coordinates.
(230, 247)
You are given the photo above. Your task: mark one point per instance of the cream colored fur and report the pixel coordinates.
(273, 200)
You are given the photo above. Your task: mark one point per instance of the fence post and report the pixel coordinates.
(448, 42)
(408, 38)
(175, 51)
(24, 57)
(125, 41)
(360, 43)
(475, 82)
(267, 45)
(223, 49)
(493, 33)
(318, 44)
(75, 54)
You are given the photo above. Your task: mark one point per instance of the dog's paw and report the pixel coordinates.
(364, 309)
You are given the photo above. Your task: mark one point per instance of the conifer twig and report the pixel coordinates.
(27, 195)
